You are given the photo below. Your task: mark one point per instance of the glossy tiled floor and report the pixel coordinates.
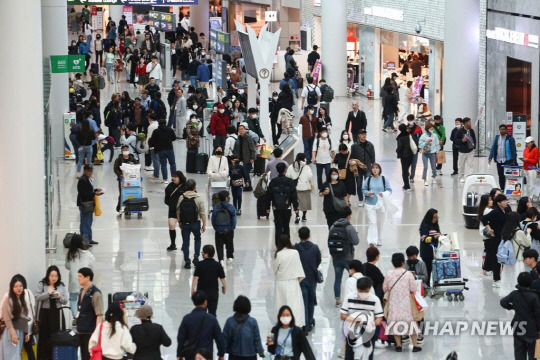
(163, 276)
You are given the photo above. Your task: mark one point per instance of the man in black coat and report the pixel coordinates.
(356, 120)
(312, 58)
(364, 151)
(494, 222)
(148, 336)
(526, 322)
(281, 192)
(466, 141)
(86, 193)
(162, 142)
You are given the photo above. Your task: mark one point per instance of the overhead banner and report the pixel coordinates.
(162, 21)
(133, 2)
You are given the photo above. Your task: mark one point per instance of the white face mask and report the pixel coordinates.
(203, 53)
(411, 122)
(233, 71)
(310, 112)
(195, 107)
(323, 135)
(228, 78)
(363, 296)
(335, 177)
(253, 116)
(285, 320)
(303, 163)
(215, 109)
(222, 110)
(240, 91)
(125, 153)
(345, 137)
(275, 97)
(458, 126)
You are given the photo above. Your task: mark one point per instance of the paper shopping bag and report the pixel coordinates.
(97, 207)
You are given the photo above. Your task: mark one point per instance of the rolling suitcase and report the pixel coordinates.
(258, 168)
(95, 68)
(190, 161)
(261, 207)
(140, 204)
(65, 353)
(65, 342)
(201, 159)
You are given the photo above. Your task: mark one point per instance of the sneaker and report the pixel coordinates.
(338, 303)
(196, 261)
(496, 284)
(420, 340)
(380, 345)
(399, 349)
(93, 243)
(426, 183)
(462, 180)
(238, 212)
(383, 129)
(187, 265)
(304, 219)
(166, 182)
(439, 172)
(149, 168)
(411, 180)
(222, 264)
(230, 260)
(297, 220)
(361, 204)
(434, 180)
(408, 190)
(454, 173)
(171, 248)
(416, 349)
(152, 177)
(488, 273)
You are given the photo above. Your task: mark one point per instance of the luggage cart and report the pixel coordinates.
(213, 189)
(513, 187)
(131, 191)
(446, 276)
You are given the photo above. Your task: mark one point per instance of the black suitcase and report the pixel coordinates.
(190, 161)
(261, 207)
(258, 168)
(140, 204)
(201, 163)
(95, 68)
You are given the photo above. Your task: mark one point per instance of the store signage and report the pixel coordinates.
(67, 63)
(133, 2)
(384, 12)
(220, 41)
(162, 21)
(128, 12)
(513, 37)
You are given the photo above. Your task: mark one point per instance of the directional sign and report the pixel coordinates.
(133, 2)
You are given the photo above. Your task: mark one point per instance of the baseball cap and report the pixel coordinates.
(529, 139)
(362, 131)
(145, 312)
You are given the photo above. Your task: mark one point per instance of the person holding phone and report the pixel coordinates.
(15, 313)
(286, 340)
(530, 164)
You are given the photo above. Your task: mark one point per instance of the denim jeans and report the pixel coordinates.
(86, 224)
(10, 351)
(165, 155)
(308, 293)
(389, 121)
(413, 166)
(308, 147)
(73, 303)
(155, 162)
(320, 169)
(339, 267)
(75, 144)
(236, 192)
(84, 151)
(431, 159)
(187, 230)
(110, 71)
(248, 166)
(193, 80)
(127, 74)
(359, 183)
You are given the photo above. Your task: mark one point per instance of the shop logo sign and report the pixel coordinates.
(513, 37)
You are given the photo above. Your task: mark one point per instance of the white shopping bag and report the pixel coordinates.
(418, 295)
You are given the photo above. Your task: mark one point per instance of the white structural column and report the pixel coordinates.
(54, 38)
(334, 45)
(116, 12)
(22, 189)
(460, 70)
(200, 17)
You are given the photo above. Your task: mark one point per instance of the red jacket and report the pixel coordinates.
(219, 123)
(532, 158)
(140, 69)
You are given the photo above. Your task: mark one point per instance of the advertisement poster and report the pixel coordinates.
(162, 21)
(316, 70)
(519, 132)
(128, 12)
(514, 186)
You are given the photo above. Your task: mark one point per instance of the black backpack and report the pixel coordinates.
(328, 94)
(161, 111)
(312, 97)
(281, 197)
(188, 211)
(338, 240)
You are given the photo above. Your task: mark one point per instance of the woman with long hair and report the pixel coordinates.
(289, 272)
(524, 203)
(118, 64)
(429, 238)
(173, 191)
(109, 64)
(288, 336)
(85, 137)
(51, 295)
(323, 119)
(342, 161)
(484, 207)
(511, 231)
(15, 313)
(338, 190)
(114, 335)
(345, 139)
(302, 174)
(77, 257)
(374, 188)
(530, 164)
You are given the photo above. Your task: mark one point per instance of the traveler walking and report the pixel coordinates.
(311, 95)
(466, 139)
(180, 110)
(124, 158)
(244, 148)
(191, 212)
(173, 191)
(162, 142)
(429, 144)
(207, 274)
(455, 145)
(374, 189)
(503, 151)
(224, 222)
(309, 131)
(405, 96)
(281, 195)
(494, 222)
(439, 129)
(330, 190)
(301, 174)
(390, 109)
(362, 150)
(323, 154)
(288, 337)
(345, 139)
(148, 336)
(218, 127)
(15, 313)
(429, 239)
(356, 121)
(77, 257)
(289, 273)
(521, 239)
(154, 70)
(310, 257)
(342, 161)
(313, 56)
(405, 154)
(199, 328)
(416, 132)
(238, 179)
(218, 166)
(154, 164)
(371, 270)
(90, 310)
(343, 233)
(85, 202)
(530, 164)
(85, 137)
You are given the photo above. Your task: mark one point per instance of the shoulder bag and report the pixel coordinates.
(35, 323)
(343, 172)
(189, 347)
(386, 296)
(339, 204)
(295, 181)
(88, 207)
(412, 144)
(96, 351)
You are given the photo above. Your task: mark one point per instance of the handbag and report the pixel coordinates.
(343, 172)
(35, 323)
(97, 206)
(386, 296)
(2, 326)
(237, 182)
(339, 204)
(537, 349)
(87, 207)
(320, 277)
(417, 314)
(189, 347)
(295, 181)
(279, 348)
(96, 353)
(441, 157)
(412, 144)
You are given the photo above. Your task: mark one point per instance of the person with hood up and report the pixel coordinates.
(218, 126)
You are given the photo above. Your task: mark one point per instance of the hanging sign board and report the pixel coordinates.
(67, 63)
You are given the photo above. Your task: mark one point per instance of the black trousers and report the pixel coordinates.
(429, 268)
(405, 166)
(213, 298)
(523, 348)
(49, 324)
(276, 131)
(500, 172)
(282, 218)
(331, 217)
(455, 156)
(119, 205)
(224, 239)
(84, 339)
(29, 349)
(491, 262)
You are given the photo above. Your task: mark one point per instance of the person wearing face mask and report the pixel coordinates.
(374, 188)
(125, 157)
(344, 139)
(302, 175)
(274, 106)
(244, 148)
(405, 154)
(416, 133)
(200, 100)
(253, 123)
(338, 190)
(438, 128)
(193, 67)
(415, 265)
(364, 301)
(342, 162)
(218, 127)
(309, 130)
(323, 119)
(203, 73)
(323, 155)
(235, 75)
(218, 166)
(287, 339)
(455, 145)
(429, 143)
